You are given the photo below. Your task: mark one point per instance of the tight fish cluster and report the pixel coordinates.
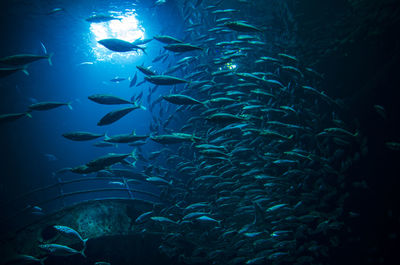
(256, 172)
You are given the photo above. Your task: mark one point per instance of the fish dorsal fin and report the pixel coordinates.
(134, 132)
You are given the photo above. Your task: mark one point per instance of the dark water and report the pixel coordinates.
(352, 44)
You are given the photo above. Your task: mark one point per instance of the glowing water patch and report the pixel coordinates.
(231, 66)
(227, 66)
(127, 29)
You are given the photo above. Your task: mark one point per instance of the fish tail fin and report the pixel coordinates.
(84, 241)
(290, 137)
(106, 137)
(50, 55)
(43, 48)
(142, 107)
(205, 103)
(144, 50)
(82, 252)
(25, 69)
(133, 154)
(28, 114)
(69, 105)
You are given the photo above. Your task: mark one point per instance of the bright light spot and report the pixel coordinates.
(230, 66)
(127, 29)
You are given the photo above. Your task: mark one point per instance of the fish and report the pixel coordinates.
(50, 157)
(104, 144)
(141, 42)
(55, 10)
(381, 111)
(105, 99)
(182, 47)
(241, 26)
(174, 138)
(125, 138)
(69, 232)
(11, 70)
(106, 161)
(100, 18)
(167, 39)
(159, 3)
(162, 219)
(159, 57)
(119, 183)
(145, 70)
(115, 115)
(117, 79)
(208, 220)
(81, 136)
(25, 59)
(181, 99)
(9, 117)
(25, 259)
(60, 250)
(133, 81)
(158, 181)
(118, 45)
(102, 263)
(395, 146)
(164, 80)
(144, 217)
(47, 105)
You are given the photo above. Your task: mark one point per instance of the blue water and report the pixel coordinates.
(362, 72)
(24, 163)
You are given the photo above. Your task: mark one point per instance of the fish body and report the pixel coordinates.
(60, 250)
(13, 116)
(117, 79)
(158, 181)
(395, 146)
(47, 105)
(141, 42)
(81, 136)
(174, 138)
(107, 160)
(11, 70)
(115, 115)
(241, 26)
(145, 70)
(144, 217)
(167, 39)
(101, 18)
(125, 138)
(224, 117)
(182, 47)
(55, 10)
(133, 81)
(181, 99)
(25, 259)
(67, 231)
(23, 59)
(165, 80)
(118, 45)
(104, 144)
(208, 220)
(108, 99)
